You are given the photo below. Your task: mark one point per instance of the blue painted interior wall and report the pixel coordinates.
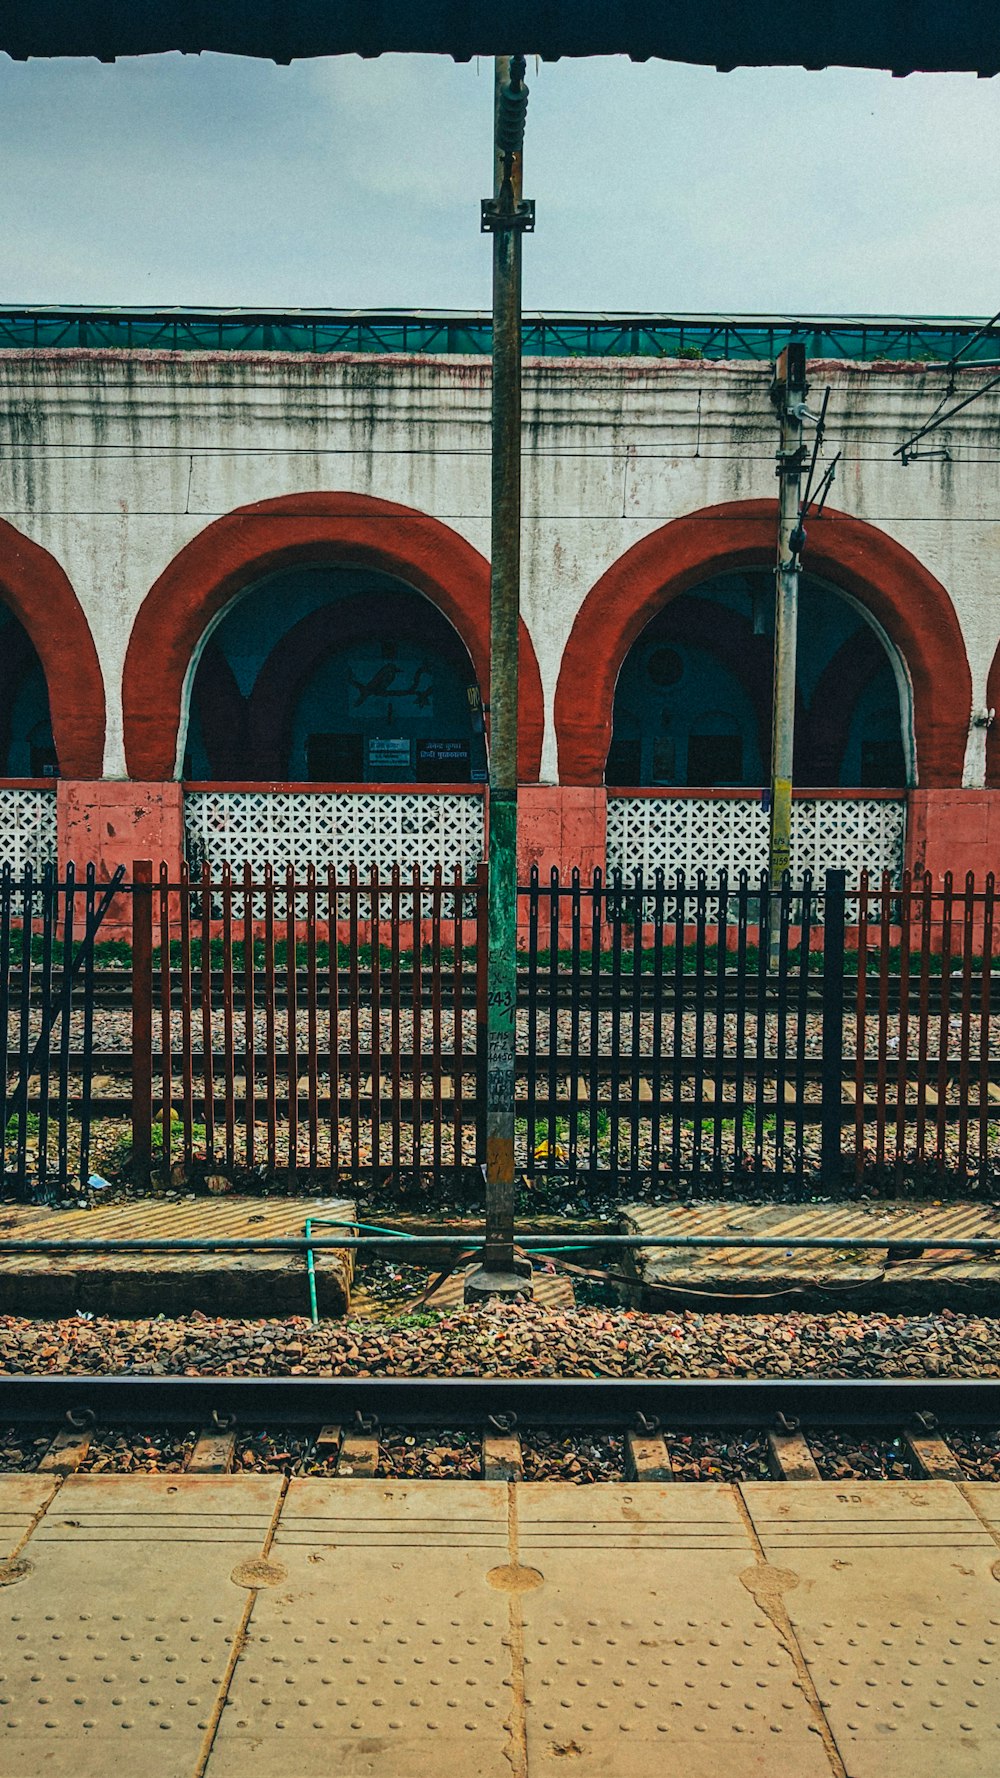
(703, 666)
(26, 747)
(407, 680)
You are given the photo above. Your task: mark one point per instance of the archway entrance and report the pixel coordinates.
(339, 675)
(27, 747)
(252, 543)
(692, 705)
(910, 609)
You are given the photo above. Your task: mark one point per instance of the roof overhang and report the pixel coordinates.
(903, 36)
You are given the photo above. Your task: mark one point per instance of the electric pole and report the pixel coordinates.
(788, 393)
(506, 216)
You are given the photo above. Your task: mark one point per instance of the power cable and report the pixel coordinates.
(905, 451)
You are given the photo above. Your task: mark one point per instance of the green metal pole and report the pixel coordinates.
(788, 394)
(506, 216)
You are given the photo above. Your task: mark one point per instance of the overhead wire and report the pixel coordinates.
(904, 450)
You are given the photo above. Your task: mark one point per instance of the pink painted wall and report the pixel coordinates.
(108, 823)
(953, 830)
(563, 825)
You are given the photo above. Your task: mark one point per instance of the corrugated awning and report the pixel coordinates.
(901, 35)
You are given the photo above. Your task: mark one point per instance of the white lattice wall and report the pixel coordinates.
(337, 828)
(649, 833)
(27, 828)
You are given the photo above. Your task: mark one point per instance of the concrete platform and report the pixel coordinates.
(823, 1278)
(180, 1627)
(173, 1283)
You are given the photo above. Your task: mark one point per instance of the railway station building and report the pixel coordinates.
(245, 593)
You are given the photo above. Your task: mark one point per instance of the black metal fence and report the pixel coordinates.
(717, 1036)
(669, 1036)
(48, 930)
(724, 1034)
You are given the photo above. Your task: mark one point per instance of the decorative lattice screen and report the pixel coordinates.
(650, 833)
(337, 828)
(27, 828)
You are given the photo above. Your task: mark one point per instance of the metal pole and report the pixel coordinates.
(788, 393)
(505, 216)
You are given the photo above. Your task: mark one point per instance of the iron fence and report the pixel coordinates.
(718, 1035)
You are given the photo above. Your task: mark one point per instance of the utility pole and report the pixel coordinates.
(788, 393)
(506, 216)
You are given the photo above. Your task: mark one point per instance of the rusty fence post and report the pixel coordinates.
(832, 1064)
(482, 991)
(142, 1020)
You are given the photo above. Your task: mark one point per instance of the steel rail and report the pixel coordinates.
(683, 1402)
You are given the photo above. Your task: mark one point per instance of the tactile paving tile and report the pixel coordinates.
(200, 1218)
(22, 1498)
(116, 1642)
(385, 1651)
(912, 1222)
(644, 1652)
(891, 1591)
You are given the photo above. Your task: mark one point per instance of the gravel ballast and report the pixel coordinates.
(519, 1340)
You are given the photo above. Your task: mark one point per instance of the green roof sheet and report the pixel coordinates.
(860, 337)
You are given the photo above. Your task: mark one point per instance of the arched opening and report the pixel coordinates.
(356, 532)
(334, 674)
(27, 747)
(51, 687)
(908, 612)
(692, 705)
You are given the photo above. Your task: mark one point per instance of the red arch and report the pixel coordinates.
(39, 594)
(912, 607)
(274, 534)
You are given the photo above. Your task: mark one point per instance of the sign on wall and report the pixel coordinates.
(388, 753)
(442, 762)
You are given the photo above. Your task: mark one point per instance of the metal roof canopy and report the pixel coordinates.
(930, 339)
(920, 35)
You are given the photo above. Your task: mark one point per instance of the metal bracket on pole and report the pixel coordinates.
(495, 215)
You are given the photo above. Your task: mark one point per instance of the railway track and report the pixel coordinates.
(338, 1420)
(112, 988)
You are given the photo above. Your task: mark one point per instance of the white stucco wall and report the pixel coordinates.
(114, 461)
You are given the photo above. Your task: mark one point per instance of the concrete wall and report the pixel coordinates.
(114, 462)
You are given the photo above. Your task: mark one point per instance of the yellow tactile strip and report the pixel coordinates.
(921, 1222)
(192, 1219)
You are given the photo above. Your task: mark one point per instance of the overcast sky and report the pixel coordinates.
(346, 183)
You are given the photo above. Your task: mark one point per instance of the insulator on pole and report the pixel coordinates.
(512, 109)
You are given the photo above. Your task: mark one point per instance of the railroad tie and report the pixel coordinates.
(932, 1458)
(213, 1451)
(358, 1454)
(67, 1450)
(502, 1457)
(328, 1442)
(789, 1457)
(647, 1458)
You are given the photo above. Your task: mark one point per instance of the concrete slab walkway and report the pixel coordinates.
(183, 1627)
